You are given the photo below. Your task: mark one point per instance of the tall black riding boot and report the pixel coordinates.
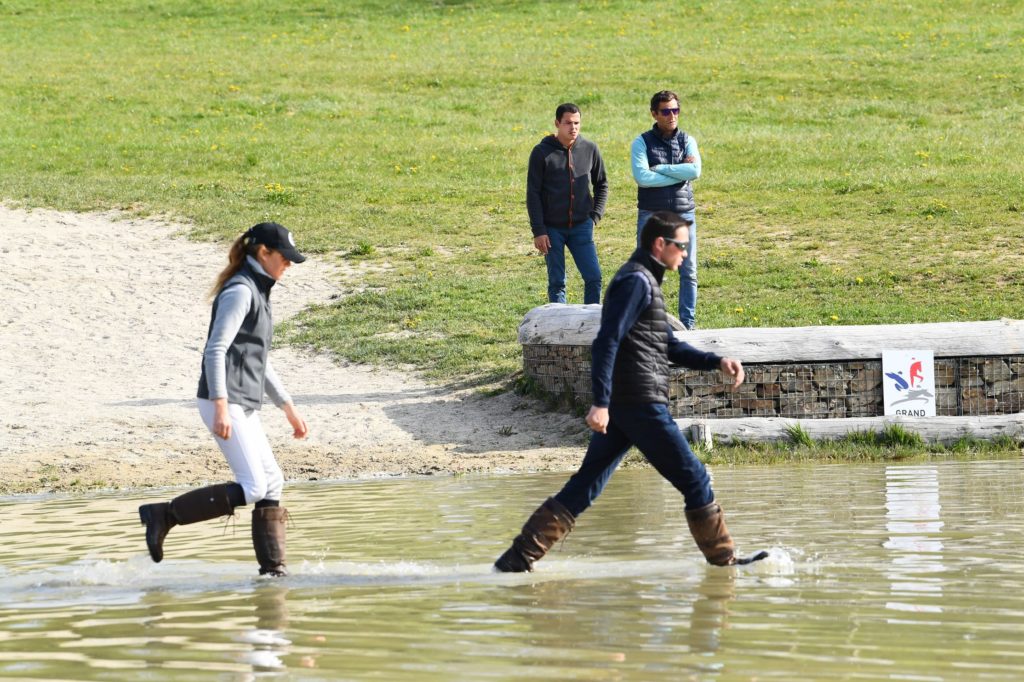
(268, 539)
(546, 526)
(192, 507)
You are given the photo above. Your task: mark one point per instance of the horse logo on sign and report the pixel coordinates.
(909, 386)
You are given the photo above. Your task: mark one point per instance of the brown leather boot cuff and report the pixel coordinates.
(707, 526)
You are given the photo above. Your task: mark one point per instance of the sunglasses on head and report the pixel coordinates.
(668, 112)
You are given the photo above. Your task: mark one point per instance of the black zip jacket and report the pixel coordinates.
(559, 181)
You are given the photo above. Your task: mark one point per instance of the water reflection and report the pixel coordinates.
(914, 522)
(267, 637)
(711, 610)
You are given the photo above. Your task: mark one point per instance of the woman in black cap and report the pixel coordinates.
(236, 373)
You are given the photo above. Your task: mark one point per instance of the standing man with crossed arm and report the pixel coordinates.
(665, 162)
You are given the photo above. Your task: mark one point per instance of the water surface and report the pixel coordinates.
(903, 572)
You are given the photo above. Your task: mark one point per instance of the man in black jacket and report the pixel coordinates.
(563, 211)
(630, 375)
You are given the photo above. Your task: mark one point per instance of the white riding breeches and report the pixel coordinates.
(247, 452)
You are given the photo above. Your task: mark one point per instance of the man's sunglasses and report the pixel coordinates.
(667, 112)
(682, 246)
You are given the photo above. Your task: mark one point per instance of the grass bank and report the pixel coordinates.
(861, 160)
(893, 444)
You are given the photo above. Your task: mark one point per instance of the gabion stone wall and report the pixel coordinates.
(964, 386)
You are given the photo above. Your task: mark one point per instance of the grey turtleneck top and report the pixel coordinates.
(235, 304)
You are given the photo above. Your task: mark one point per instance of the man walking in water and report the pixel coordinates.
(630, 376)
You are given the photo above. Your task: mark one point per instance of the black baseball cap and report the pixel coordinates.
(277, 237)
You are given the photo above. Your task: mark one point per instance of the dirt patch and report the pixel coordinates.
(102, 330)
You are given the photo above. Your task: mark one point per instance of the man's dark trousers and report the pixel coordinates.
(652, 430)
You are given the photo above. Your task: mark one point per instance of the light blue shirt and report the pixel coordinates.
(663, 175)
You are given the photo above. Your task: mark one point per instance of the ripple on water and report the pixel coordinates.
(873, 572)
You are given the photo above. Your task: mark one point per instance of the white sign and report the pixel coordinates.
(908, 382)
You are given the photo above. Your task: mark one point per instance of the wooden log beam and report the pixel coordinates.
(564, 324)
(576, 325)
(864, 342)
(945, 430)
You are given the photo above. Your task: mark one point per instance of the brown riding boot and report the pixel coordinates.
(268, 539)
(194, 506)
(707, 526)
(546, 526)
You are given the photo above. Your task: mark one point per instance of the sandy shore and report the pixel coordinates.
(101, 335)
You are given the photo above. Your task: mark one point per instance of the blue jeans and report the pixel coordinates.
(687, 271)
(580, 241)
(651, 429)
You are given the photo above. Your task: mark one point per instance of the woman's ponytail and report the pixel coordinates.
(236, 256)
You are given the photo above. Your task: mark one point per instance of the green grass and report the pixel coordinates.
(798, 435)
(861, 160)
(894, 444)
